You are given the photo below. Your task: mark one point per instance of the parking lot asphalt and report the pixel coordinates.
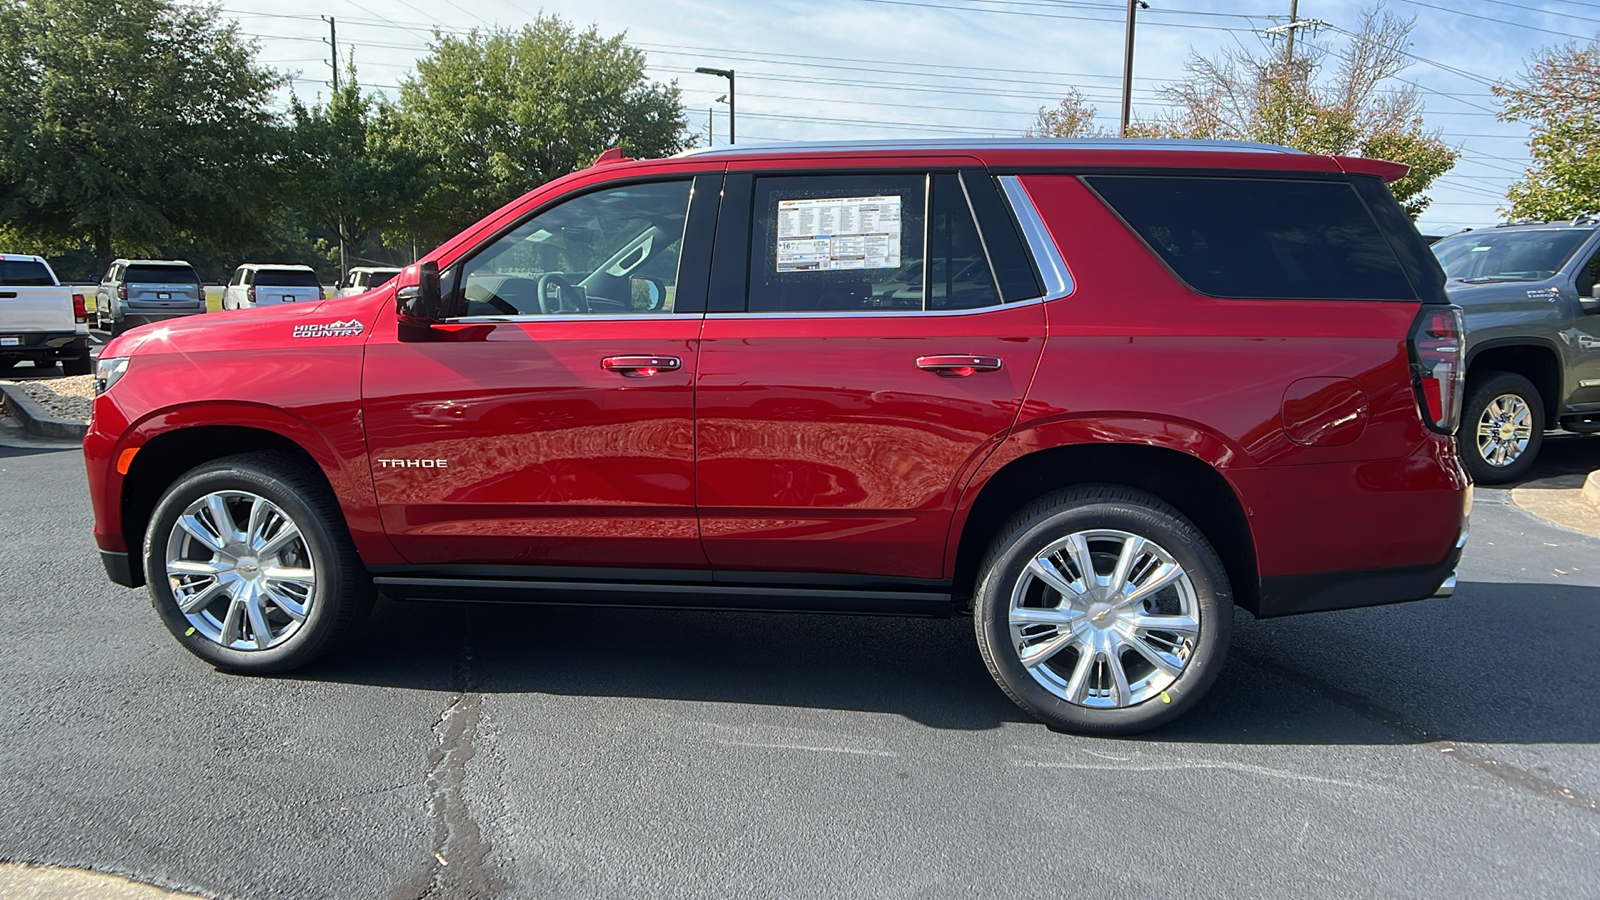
(1447, 748)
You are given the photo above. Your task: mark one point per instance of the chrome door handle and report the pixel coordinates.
(958, 366)
(640, 366)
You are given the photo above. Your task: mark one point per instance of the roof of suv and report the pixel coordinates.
(296, 267)
(1024, 154)
(154, 262)
(995, 144)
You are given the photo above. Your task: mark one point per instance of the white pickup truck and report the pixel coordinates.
(41, 320)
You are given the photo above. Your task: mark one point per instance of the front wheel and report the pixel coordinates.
(251, 567)
(1102, 610)
(1502, 428)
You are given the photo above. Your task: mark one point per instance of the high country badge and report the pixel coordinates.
(329, 329)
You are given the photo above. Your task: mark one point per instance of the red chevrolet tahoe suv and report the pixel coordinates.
(1097, 393)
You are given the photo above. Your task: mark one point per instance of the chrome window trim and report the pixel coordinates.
(1046, 255)
(879, 314)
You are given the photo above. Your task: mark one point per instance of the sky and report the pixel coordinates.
(859, 69)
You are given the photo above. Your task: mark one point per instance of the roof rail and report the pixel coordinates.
(995, 144)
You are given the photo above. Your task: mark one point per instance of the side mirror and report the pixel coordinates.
(421, 304)
(1590, 305)
(646, 294)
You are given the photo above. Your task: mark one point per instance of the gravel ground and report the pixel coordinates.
(68, 397)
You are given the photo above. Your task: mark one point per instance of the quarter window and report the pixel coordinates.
(1260, 238)
(610, 252)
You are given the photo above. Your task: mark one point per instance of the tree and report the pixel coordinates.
(506, 111)
(349, 169)
(1071, 118)
(129, 123)
(1277, 99)
(1558, 94)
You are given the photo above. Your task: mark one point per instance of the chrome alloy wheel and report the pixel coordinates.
(1504, 429)
(1104, 619)
(240, 570)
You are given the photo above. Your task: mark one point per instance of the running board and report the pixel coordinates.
(764, 598)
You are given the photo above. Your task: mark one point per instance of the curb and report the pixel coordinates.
(1591, 489)
(37, 420)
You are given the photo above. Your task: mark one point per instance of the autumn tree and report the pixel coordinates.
(1357, 109)
(505, 111)
(128, 124)
(1073, 117)
(1558, 95)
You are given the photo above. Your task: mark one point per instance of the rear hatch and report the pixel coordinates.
(164, 288)
(274, 286)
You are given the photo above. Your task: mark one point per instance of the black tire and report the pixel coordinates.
(1085, 508)
(342, 595)
(1482, 392)
(77, 365)
(7, 363)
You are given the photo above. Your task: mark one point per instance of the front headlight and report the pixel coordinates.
(108, 371)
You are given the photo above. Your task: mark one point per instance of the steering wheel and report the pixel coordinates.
(565, 292)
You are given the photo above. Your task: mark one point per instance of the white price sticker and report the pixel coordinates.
(833, 233)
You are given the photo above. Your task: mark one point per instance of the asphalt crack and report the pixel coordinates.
(456, 869)
(1461, 752)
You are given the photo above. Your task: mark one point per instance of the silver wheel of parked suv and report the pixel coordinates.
(251, 567)
(1101, 609)
(1502, 428)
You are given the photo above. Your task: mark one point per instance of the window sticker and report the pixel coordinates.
(834, 233)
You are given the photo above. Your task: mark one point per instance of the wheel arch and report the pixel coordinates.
(174, 442)
(1192, 486)
(1534, 359)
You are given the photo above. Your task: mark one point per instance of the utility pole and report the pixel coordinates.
(1288, 29)
(1294, 16)
(333, 45)
(1127, 67)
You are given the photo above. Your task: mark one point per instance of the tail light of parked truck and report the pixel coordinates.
(1436, 366)
(122, 291)
(80, 309)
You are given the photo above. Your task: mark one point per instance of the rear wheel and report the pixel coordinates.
(77, 365)
(1502, 428)
(1102, 610)
(251, 567)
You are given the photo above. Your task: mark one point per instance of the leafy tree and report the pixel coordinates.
(1558, 94)
(505, 111)
(1273, 98)
(349, 169)
(130, 123)
(1072, 117)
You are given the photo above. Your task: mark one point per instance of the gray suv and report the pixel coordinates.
(140, 291)
(1533, 338)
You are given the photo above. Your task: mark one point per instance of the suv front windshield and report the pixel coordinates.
(1486, 256)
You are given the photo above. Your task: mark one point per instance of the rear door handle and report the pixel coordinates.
(640, 366)
(958, 366)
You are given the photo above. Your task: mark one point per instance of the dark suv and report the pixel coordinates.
(1095, 394)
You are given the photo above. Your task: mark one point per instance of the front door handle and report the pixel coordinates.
(640, 366)
(958, 366)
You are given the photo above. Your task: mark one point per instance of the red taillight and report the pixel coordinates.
(80, 309)
(122, 291)
(1437, 345)
(252, 294)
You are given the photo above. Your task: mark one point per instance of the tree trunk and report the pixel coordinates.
(102, 248)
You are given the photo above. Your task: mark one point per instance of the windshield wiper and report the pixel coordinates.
(1486, 279)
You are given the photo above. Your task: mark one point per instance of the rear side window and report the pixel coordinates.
(1260, 238)
(286, 278)
(161, 275)
(24, 273)
(867, 243)
(378, 278)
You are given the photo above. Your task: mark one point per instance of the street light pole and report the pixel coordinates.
(1127, 67)
(728, 74)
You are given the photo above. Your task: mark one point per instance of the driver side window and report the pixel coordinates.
(609, 252)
